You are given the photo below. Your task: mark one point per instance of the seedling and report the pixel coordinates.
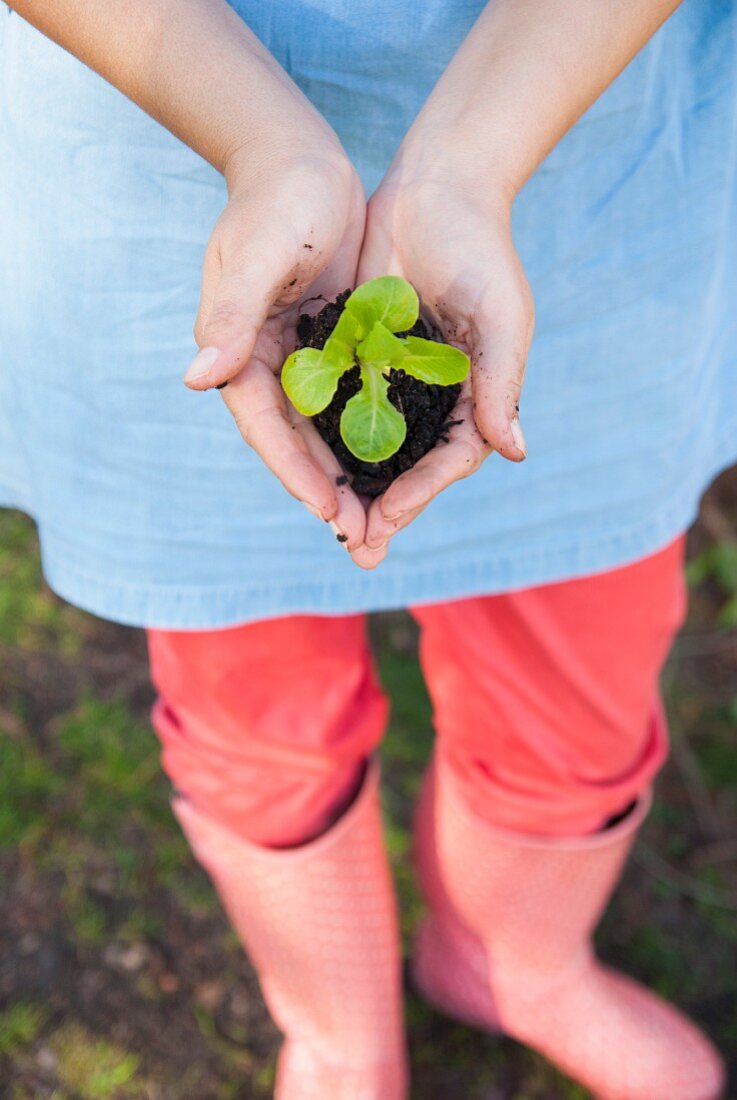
(367, 335)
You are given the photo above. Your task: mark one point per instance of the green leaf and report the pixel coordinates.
(310, 376)
(436, 364)
(347, 331)
(370, 425)
(389, 300)
(381, 348)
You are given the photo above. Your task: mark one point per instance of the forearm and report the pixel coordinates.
(191, 64)
(526, 72)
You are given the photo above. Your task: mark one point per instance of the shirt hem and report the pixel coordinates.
(208, 607)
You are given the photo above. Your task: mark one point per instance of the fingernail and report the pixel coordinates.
(340, 535)
(314, 511)
(518, 436)
(202, 364)
(376, 549)
(395, 517)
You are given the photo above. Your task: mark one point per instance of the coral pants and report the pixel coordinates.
(546, 705)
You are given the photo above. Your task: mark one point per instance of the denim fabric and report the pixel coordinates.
(150, 508)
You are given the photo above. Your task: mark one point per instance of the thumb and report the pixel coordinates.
(227, 337)
(234, 306)
(503, 336)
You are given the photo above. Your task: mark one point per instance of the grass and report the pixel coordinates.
(91, 1067)
(20, 1026)
(120, 976)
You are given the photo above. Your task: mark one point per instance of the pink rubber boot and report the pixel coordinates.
(320, 925)
(507, 945)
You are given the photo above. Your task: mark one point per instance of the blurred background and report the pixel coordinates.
(119, 976)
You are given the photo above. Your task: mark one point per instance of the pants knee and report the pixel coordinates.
(552, 794)
(545, 699)
(266, 728)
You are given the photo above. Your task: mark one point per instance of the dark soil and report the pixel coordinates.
(426, 409)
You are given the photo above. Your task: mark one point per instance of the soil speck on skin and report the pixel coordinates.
(425, 408)
(342, 479)
(293, 282)
(342, 538)
(308, 246)
(444, 436)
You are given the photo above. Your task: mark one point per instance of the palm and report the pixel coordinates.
(267, 266)
(462, 261)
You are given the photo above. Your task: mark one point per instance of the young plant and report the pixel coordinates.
(365, 336)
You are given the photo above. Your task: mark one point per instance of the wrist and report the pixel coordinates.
(433, 158)
(282, 148)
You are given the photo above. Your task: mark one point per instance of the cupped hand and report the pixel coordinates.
(292, 230)
(451, 239)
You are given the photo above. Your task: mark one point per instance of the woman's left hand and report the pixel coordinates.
(451, 238)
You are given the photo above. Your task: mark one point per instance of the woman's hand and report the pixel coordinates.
(520, 79)
(295, 219)
(292, 229)
(450, 237)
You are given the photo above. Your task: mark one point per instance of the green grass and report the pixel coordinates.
(27, 785)
(30, 617)
(718, 563)
(92, 1067)
(20, 1026)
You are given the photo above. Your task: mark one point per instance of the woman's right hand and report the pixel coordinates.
(293, 225)
(292, 230)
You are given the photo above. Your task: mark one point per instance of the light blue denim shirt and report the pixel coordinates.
(150, 508)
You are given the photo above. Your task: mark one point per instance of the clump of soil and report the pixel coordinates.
(425, 408)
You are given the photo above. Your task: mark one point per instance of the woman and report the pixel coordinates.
(151, 511)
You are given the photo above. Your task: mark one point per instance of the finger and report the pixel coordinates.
(410, 494)
(212, 269)
(349, 521)
(423, 483)
(502, 332)
(227, 334)
(368, 559)
(256, 400)
(380, 531)
(445, 463)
